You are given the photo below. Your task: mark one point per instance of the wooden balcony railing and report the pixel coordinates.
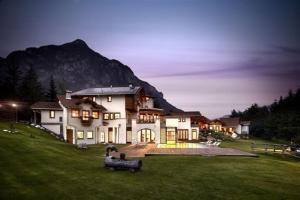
(86, 121)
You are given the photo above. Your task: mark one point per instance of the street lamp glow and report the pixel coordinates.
(14, 105)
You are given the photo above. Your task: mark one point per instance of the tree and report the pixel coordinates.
(51, 94)
(12, 77)
(234, 113)
(31, 89)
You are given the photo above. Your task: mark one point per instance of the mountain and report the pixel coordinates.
(75, 66)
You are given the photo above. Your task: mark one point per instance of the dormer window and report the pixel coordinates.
(109, 98)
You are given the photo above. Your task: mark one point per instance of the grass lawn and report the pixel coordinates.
(42, 167)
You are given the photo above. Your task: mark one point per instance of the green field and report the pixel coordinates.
(41, 167)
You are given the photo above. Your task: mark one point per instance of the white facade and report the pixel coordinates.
(116, 123)
(53, 123)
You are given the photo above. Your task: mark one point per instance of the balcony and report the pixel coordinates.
(141, 121)
(86, 121)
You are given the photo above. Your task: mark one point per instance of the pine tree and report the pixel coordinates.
(31, 89)
(52, 90)
(12, 77)
(234, 113)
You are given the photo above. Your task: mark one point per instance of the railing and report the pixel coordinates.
(145, 121)
(86, 121)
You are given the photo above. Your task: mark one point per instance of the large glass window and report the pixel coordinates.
(194, 134)
(146, 135)
(182, 134)
(89, 135)
(79, 134)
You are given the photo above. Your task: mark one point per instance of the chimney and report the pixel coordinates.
(68, 94)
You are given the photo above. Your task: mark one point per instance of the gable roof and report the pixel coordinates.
(231, 121)
(106, 91)
(45, 105)
(75, 103)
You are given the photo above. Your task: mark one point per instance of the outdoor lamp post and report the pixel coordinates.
(16, 108)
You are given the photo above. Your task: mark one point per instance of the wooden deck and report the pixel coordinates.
(152, 150)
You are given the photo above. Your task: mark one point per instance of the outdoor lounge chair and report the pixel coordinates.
(217, 143)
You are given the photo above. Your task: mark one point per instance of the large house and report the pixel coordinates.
(114, 115)
(227, 125)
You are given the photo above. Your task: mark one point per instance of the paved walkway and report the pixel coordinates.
(135, 150)
(210, 151)
(152, 150)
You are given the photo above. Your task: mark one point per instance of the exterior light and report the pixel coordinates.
(14, 105)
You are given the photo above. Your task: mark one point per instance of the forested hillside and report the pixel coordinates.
(281, 119)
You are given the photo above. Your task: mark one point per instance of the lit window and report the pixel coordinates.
(109, 99)
(94, 99)
(111, 116)
(95, 114)
(79, 134)
(183, 119)
(117, 115)
(75, 113)
(85, 115)
(179, 119)
(106, 116)
(52, 114)
(89, 135)
(147, 98)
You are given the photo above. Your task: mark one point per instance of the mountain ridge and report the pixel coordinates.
(75, 66)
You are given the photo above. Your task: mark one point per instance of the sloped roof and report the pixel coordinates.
(185, 114)
(231, 121)
(107, 91)
(46, 105)
(188, 113)
(204, 119)
(158, 110)
(75, 103)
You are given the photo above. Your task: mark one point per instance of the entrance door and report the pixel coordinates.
(146, 135)
(70, 136)
(128, 134)
(171, 136)
(110, 135)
